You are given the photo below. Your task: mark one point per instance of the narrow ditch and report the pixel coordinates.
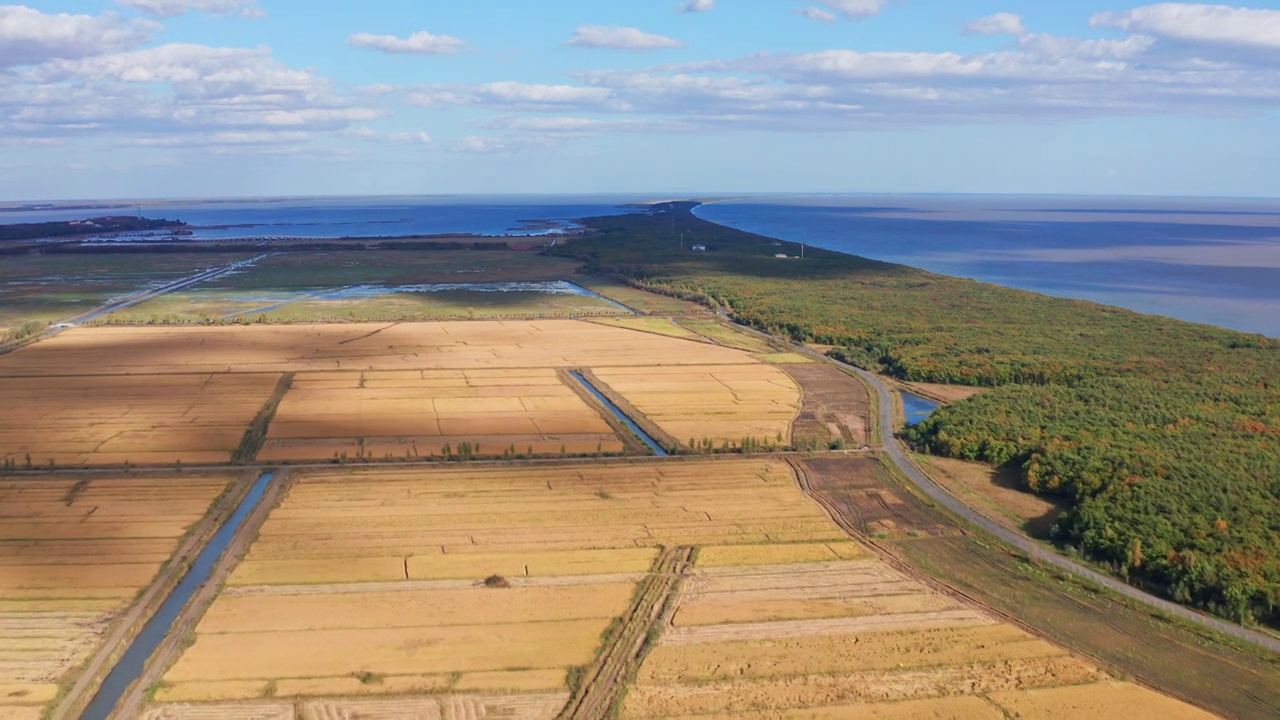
(647, 439)
(130, 666)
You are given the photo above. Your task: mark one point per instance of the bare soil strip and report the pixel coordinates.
(605, 679)
(408, 586)
(835, 405)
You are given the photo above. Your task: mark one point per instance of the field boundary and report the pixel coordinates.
(131, 702)
(605, 679)
(256, 434)
(127, 627)
(630, 442)
(640, 419)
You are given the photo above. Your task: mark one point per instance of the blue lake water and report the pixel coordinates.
(1215, 261)
(916, 408)
(348, 217)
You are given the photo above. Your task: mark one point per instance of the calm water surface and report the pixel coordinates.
(917, 409)
(347, 217)
(1215, 261)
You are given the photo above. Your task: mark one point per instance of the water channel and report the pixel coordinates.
(131, 664)
(654, 445)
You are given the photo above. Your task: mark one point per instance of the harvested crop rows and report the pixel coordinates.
(715, 403)
(372, 581)
(73, 555)
(409, 414)
(359, 346)
(821, 631)
(114, 420)
(111, 396)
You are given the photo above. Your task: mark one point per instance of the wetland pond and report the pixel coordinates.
(917, 409)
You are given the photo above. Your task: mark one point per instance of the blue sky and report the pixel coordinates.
(188, 98)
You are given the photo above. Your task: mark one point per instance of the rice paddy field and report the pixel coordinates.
(462, 345)
(95, 420)
(74, 554)
(715, 403)
(372, 582)
(411, 414)
(365, 595)
(162, 395)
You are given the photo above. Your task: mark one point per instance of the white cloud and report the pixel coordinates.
(182, 91)
(999, 24)
(1210, 24)
(1057, 47)
(693, 6)
(620, 38)
(480, 145)
(421, 43)
(854, 9)
(817, 13)
(29, 36)
(509, 95)
(174, 8)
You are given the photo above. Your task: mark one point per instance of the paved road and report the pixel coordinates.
(894, 450)
(900, 458)
(145, 295)
(132, 299)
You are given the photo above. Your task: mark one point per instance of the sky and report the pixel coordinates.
(243, 98)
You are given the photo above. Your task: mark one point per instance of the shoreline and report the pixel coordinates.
(1219, 306)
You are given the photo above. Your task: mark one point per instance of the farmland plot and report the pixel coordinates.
(409, 414)
(464, 345)
(371, 582)
(716, 403)
(73, 555)
(832, 635)
(106, 396)
(113, 420)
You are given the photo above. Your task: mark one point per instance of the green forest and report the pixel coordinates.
(1164, 435)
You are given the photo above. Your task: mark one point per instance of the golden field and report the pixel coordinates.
(369, 583)
(815, 633)
(721, 403)
(73, 556)
(113, 420)
(378, 574)
(162, 395)
(464, 345)
(408, 414)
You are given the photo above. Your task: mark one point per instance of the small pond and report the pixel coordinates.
(917, 408)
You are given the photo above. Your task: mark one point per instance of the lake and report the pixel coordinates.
(364, 217)
(1213, 261)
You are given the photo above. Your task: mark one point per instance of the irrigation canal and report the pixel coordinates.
(654, 445)
(131, 664)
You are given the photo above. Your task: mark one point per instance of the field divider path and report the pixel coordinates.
(893, 449)
(128, 626)
(134, 697)
(256, 434)
(606, 677)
